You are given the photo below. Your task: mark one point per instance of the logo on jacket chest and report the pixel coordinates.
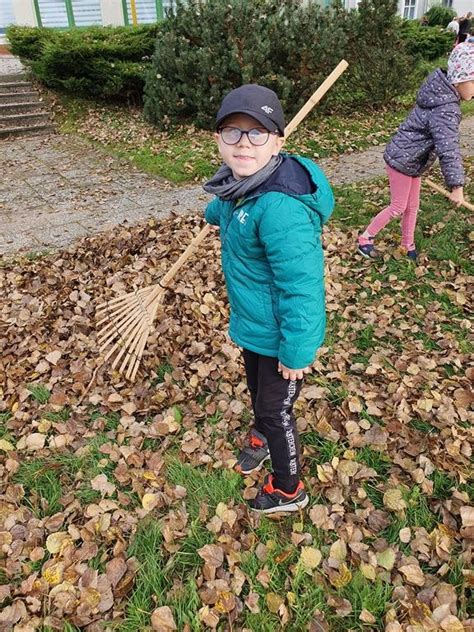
(242, 216)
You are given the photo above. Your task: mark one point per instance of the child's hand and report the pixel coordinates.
(457, 196)
(292, 374)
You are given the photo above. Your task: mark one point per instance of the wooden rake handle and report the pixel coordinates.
(292, 125)
(439, 189)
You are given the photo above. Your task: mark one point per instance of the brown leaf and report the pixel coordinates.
(162, 620)
(212, 554)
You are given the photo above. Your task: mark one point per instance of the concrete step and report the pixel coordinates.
(27, 130)
(14, 97)
(20, 108)
(16, 86)
(19, 120)
(13, 78)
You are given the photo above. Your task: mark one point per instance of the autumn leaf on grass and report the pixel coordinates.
(150, 501)
(338, 551)
(366, 616)
(386, 559)
(162, 620)
(101, 484)
(340, 578)
(467, 517)
(342, 607)
(393, 500)
(226, 602)
(309, 558)
(413, 574)
(212, 554)
(6, 446)
(225, 514)
(274, 602)
(208, 617)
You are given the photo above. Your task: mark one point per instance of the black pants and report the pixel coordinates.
(272, 401)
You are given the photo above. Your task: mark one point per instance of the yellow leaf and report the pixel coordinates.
(6, 446)
(386, 559)
(91, 596)
(57, 541)
(226, 602)
(54, 574)
(15, 407)
(341, 578)
(367, 570)
(274, 602)
(310, 558)
(338, 551)
(150, 501)
(392, 499)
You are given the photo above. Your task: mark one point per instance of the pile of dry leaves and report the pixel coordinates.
(56, 396)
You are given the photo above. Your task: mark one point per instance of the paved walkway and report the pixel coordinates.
(56, 189)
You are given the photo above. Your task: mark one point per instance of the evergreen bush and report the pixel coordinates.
(205, 48)
(99, 62)
(26, 42)
(440, 16)
(425, 42)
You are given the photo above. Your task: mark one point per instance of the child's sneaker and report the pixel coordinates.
(367, 250)
(271, 500)
(412, 254)
(254, 454)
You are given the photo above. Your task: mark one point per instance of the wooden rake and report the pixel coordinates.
(439, 189)
(128, 320)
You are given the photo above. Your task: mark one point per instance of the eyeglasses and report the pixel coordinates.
(256, 135)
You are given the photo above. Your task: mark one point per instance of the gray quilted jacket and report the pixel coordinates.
(431, 130)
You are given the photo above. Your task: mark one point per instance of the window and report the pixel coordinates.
(6, 15)
(409, 9)
(448, 3)
(86, 12)
(53, 13)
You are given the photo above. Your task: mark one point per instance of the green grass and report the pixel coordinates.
(189, 155)
(375, 459)
(322, 450)
(39, 393)
(204, 486)
(161, 370)
(151, 580)
(42, 486)
(443, 484)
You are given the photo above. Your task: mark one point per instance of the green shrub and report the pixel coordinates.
(440, 16)
(425, 42)
(99, 62)
(26, 42)
(206, 48)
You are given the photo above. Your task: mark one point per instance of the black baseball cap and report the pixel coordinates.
(258, 102)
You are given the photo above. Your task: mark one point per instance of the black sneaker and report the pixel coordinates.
(271, 500)
(254, 454)
(412, 254)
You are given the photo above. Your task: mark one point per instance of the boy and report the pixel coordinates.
(270, 208)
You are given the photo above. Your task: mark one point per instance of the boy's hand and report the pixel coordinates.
(292, 374)
(457, 196)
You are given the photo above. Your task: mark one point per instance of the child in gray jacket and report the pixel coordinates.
(431, 130)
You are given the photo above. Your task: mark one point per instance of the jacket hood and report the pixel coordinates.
(436, 91)
(302, 179)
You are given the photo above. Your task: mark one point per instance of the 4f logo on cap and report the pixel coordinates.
(267, 109)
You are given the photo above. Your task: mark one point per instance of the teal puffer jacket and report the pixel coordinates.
(273, 262)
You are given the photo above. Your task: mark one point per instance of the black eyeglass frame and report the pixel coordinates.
(246, 132)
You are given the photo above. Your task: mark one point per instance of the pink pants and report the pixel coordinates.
(404, 203)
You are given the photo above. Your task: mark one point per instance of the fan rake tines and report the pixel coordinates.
(126, 324)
